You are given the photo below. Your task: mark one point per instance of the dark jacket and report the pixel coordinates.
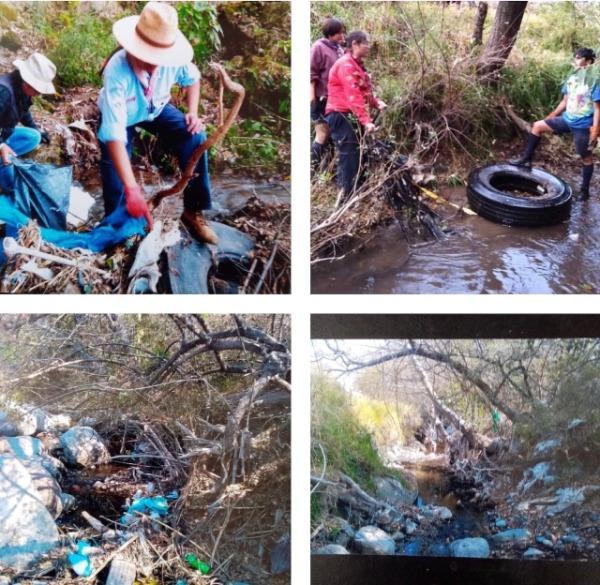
(14, 105)
(323, 54)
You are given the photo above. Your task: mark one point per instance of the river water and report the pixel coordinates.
(477, 256)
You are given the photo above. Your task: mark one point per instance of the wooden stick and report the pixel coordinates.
(189, 171)
(436, 197)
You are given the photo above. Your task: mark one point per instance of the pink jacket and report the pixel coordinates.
(350, 89)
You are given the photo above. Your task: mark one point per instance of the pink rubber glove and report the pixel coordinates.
(136, 204)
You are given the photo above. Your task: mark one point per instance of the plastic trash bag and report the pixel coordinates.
(41, 192)
(155, 507)
(80, 560)
(112, 230)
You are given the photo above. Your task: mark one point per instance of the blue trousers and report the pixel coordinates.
(346, 142)
(22, 140)
(170, 129)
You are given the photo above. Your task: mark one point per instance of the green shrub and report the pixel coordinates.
(77, 43)
(200, 25)
(349, 446)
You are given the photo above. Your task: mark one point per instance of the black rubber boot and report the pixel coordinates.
(316, 155)
(525, 159)
(586, 176)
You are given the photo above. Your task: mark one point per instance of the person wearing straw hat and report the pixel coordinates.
(136, 92)
(32, 76)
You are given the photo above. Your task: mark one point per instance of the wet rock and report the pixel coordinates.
(533, 553)
(281, 556)
(57, 423)
(410, 527)
(22, 447)
(83, 446)
(436, 512)
(412, 549)
(439, 549)
(332, 549)
(17, 424)
(48, 489)
(515, 535)
(570, 539)
(544, 541)
(374, 541)
(28, 529)
(470, 548)
(546, 447)
(396, 493)
(339, 531)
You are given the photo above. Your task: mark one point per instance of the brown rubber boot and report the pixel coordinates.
(198, 226)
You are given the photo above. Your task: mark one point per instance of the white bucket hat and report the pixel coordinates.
(154, 36)
(38, 71)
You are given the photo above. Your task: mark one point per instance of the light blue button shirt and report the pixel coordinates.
(122, 101)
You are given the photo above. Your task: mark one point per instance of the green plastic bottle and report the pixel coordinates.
(195, 563)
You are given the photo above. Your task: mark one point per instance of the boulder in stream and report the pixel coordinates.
(83, 446)
(396, 493)
(17, 424)
(339, 531)
(533, 553)
(513, 536)
(28, 529)
(470, 548)
(371, 540)
(332, 549)
(436, 512)
(48, 489)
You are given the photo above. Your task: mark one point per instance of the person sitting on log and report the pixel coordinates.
(136, 93)
(323, 54)
(350, 95)
(30, 78)
(577, 113)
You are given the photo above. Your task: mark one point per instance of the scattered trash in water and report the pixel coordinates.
(574, 237)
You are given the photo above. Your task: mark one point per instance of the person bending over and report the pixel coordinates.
(31, 77)
(350, 97)
(577, 113)
(323, 54)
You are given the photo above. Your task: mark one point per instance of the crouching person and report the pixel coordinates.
(136, 93)
(578, 113)
(31, 77)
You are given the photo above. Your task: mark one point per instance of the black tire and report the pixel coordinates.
(487, 197)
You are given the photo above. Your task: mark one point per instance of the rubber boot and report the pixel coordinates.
(525, 159)
(586, 176)
(198, 226)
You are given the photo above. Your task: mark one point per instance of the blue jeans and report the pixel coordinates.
(170, 129)
(22, 140)
(346, 142)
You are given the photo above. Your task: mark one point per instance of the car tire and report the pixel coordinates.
(490, 191)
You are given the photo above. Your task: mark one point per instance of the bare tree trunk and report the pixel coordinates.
(482, 10)
(509, 16)
(442, 410)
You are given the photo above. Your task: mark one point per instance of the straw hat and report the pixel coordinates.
(38, 71)
(154, 36)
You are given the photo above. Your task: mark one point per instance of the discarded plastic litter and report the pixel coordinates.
(155, 507)
(80, 560)
(195, 563)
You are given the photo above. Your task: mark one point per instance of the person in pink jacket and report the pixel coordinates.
(349, 101)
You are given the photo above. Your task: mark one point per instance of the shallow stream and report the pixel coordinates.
(477, 256)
